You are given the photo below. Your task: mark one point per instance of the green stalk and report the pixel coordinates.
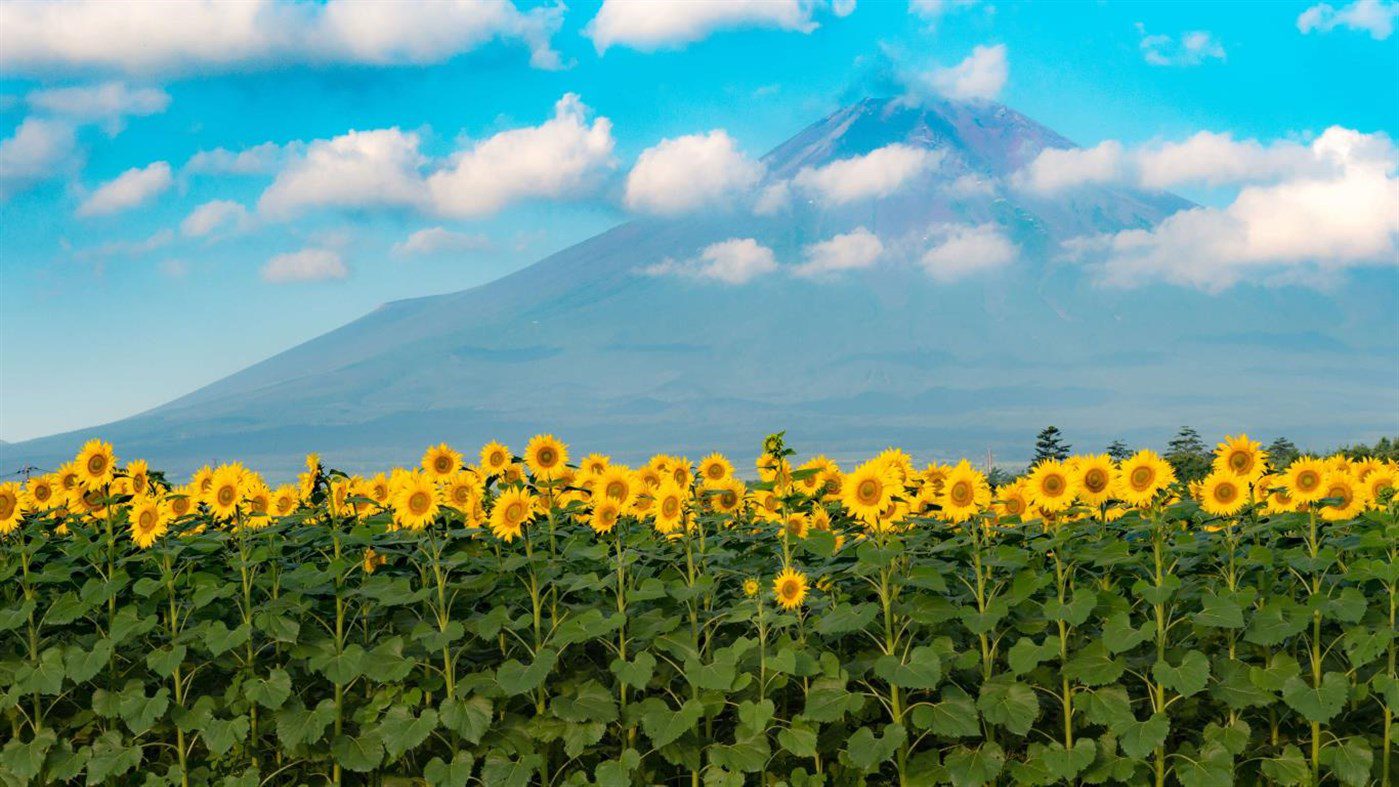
(174, 624)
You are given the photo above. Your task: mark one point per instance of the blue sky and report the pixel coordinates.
(116, 299)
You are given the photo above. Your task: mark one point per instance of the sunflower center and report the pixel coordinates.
(547, 457)
(42, 493)
(714, 472)
(671, 507)
(146, 521)
(728, 498)
(442, 464)
(1015, 506)
(7, 506)
(461, 495)
(96, 464)
(1095, 480)
(1226, 492)
(960, 493)
(227, 495)
(790, 588)
(1053, 485)
(1240, 461)
(1343, 492)
(1308, 480)
(497, 459)
(1141, 477)
(616, 490)
(868, 491)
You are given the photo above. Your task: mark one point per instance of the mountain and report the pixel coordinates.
(585, 345)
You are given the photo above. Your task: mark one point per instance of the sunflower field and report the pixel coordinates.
(538, 619)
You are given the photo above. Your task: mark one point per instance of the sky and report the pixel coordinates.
(186, 192)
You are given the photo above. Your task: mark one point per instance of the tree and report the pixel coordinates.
(1049, 444)
(1188, 455)
(1119, 451)
(1282, 452)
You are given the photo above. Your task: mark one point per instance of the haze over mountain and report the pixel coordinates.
(617, 344)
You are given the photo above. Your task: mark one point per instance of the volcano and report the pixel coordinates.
(587, 345)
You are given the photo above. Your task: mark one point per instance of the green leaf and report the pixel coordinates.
(1026, 654)
(401, 731)
(1137, 738)
(865, 750)
(340, 668)
(954, 717)
(130, 623)
(1120, 636)
(756, 715)
(163, 661)
(385, 662)
(967, 766)
(922, 671)
(1318, 704)
(637, 672)
(455, 774)
(296, 725)
(799, 740)
(65, 609)
(25, 760)
(1350, 761)
(218, 638)
(1065, 764)
(109, 756)
(1219, 612)
(12, 617)
(45, 677)
(139, 711)
(469, 718)
(81, 664)
(580, 737)
(1094, 665)
(515, 678)
(747, 755)
(1212, 767)
(1109, 706)
(1290, 768)
(847, 618)
(361, 753)
(501, 771)
(827, 700)
(1279, 619)
(220, 734)
(269, 692)
(1235, 689)
(1189, 678)
(589, 702)
(664, 725)
(1010, 704)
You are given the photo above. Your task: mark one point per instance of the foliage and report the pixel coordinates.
(1049, 444)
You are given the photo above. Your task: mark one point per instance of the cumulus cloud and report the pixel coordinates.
(979, 77)
(37, 151)
(691, 172)
(555, 159)
(108, 102)
(224, 35)
(964, 250)
(1308, 224)
(879, 173)
(355, 170)
(1375, 17)
(734, 261)
(853, 250)
(649, 26)
(1192, 48)
(264, 159)
(932, 11)
(1057, 169)
(437, 240)
(773, 198)
(212, 216)
(128, 190)
(304, 265)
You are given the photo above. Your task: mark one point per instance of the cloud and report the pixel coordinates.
(558, 158)
(773, 198)
(932, 11)
(436, 240)
(1057, 169)
(1194, 48)
(214, 215)
(842, 8)
(264, 159)
(204, 37)
(854, 250)
(734, 261)
(125, 248)
(355, 170)
(879, 173)
(128, 190)
(1312, 224)
(304, 265)
(108, 102)
(979, 77)
(36, 152)
(1375, 17)
(649, 26)
(687, 173)
(964, 250)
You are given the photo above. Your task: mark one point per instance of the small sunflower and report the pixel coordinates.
(180, 501)
(789, 588)
(1378, 481)
(1051, 486)
(494, 458)
(593, 465)
(1351, 495)
(139, 473)
(285, 500)
(511, 511)
(10, 510)
(617, 484)
(726, 498)
(669, 508)
(1142, 476)
(965, 493)
(715, 469)
(867, 491)
(461, 491)
(1013, 500)
(96, 464)
(225, 491)
(40, 493)
(440, 461)
(751, 587)
(546, 455)
(372, 560)
(1305, 478)
(415, 504)
(1095, 477)
(606, 512)
(148, 521)
(1241, 457)
(1223, 493)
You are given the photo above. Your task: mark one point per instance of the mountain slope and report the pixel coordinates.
(584, 345)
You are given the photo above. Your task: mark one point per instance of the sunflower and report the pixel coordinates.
(1350, 493)
(415, 502)
(1223, 493)
(284, 500)
(1378, 481)
(440, 461)
(1304, 480)
(96, 464)
(1241, 456)
(727, 497)
(1052, 488)
(1141, 476)
(377, 489)
(10, 510)
(669, 508)
(461, 491)
(935, 474)
(1095, 477)
(513, 474)
(39, 493)
(593, 465)
(259, 499)
(148, 521)
(372, 560)
(494, 458)
(546, 456)
(225, 491)
(964, 493)
(1013, 499)
(821, 519)
(832, 482)
(511, 511)
(897, 462)
(682, 473)
(811, 472)
(751, 587)
(605, 514)
(615, 483)
(715, 469)
(797, 525)
(868, 491)
(66, 477)
(649, 476)
(790, 588)
(139, 473)
(180, 501)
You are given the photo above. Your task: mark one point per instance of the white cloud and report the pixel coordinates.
(932, 11)
(436, 240)
(1192, 49)
(1056, 169)
(126, 248)
(842, 8)
(879, 173)
(687, 173)
(264, 159)
(36, 152)
(304, 265)
(1375, 17)
(225, 35)
(647, 26)
(214, 215)
(979, 77)
(108, 102)
(1310, 223)
(964, 250)
(354, 170)
(734, 261)
(558, 158)
(773, 198)
(128, 190)
(853, 250)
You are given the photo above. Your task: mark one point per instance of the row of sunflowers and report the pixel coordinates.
(537, 618)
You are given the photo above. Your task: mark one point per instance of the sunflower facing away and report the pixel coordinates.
(494, 458)
(1241, 457)
(440, 461)
(1223, 494)
(1143, 475)
(546, 456)
(148, 521)
(789, 588)
(511, 511)
(96, 464)
(415, 503)
(1304, 480)
(867, 491)
(965, 493)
